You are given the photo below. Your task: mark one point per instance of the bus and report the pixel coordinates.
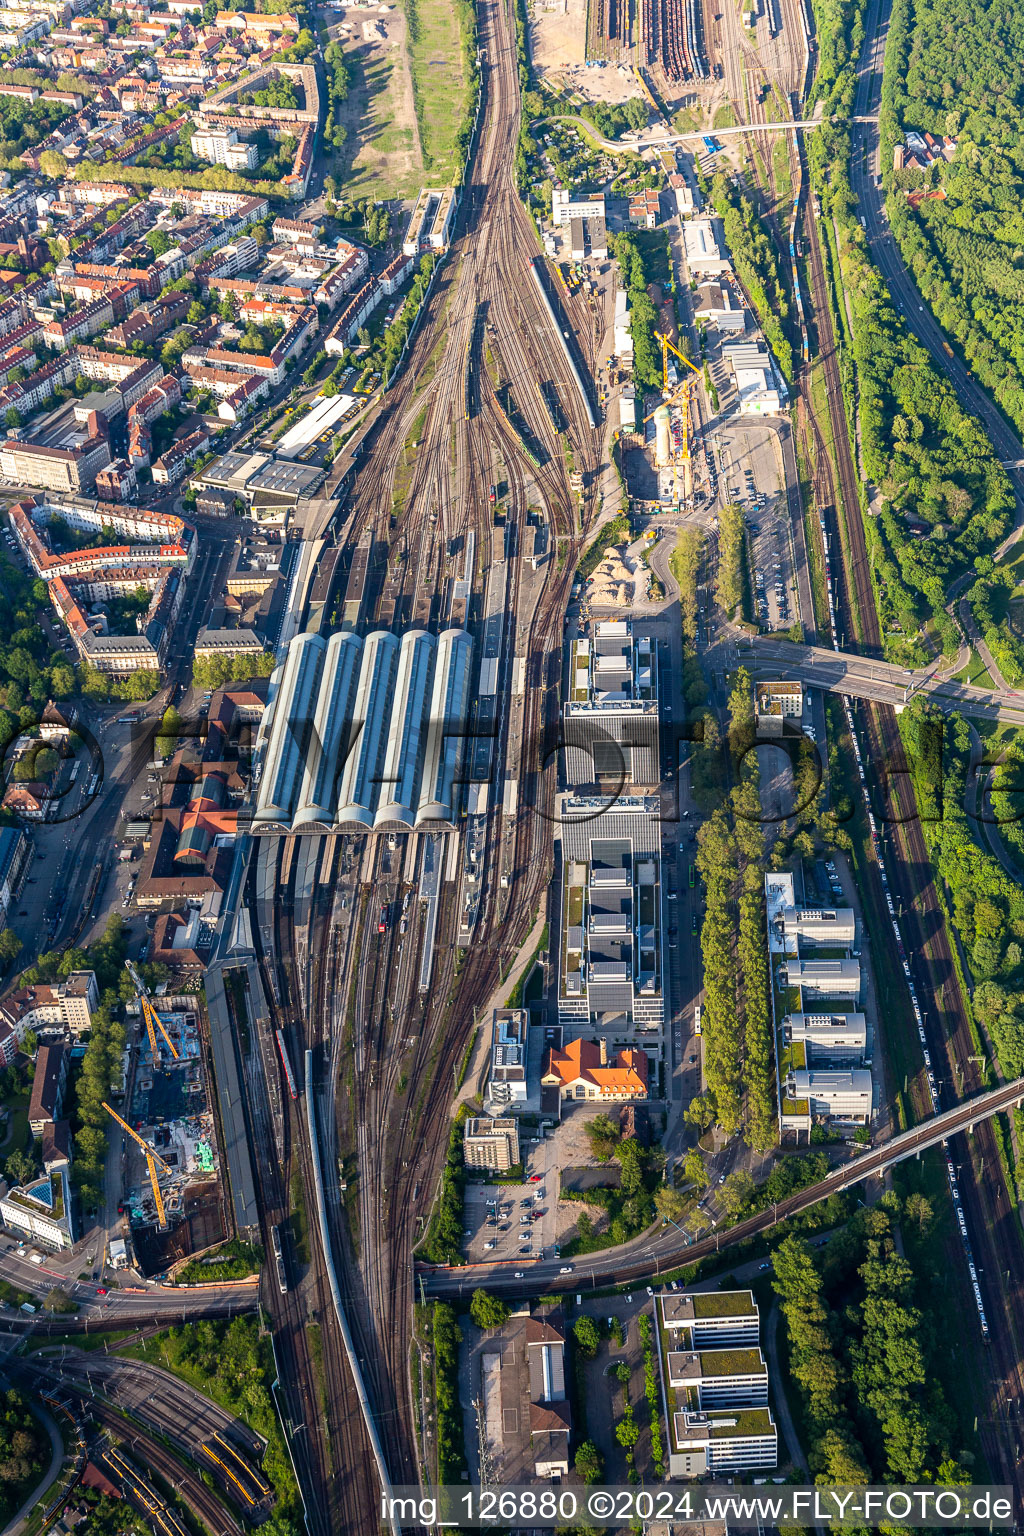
(711, 145)
(693, 878)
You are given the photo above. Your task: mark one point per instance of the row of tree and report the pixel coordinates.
(756, 267)
(643, 317)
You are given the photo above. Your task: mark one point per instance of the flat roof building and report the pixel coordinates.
(492, 1144)
(611, 710)
(830, 1040)
(819, 1094)
(820, 927)
(565, 206)
(723, 1440)
(820, 979)
(506, 1083)
(710, 1319)
(703, 253)
(775, 702)
(719, 1378)
(611, 972)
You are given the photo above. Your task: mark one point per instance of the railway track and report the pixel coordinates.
(994, 1231)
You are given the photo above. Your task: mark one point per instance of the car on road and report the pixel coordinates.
(566, 1269)
(535, 1178)
(101, 1290)
(519, 1275)
(763, 1268)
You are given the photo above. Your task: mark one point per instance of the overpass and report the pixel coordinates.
(667, 1248)
(863, 678)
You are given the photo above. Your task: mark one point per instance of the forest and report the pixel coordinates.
(864, 1342)
(985, 904)
(945, 500)
(955, 68)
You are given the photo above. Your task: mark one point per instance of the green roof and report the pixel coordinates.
(795, 1106)
(730, 1362)
(749, 1421)
(723, 1304)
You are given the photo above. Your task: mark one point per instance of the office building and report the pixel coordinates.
(611, 973)
(506, 1083)
(723, 1440)
(565, 206)
(698, 1320)
(492, 1144)
(777, 703)
(718, 1378)
(610, 720)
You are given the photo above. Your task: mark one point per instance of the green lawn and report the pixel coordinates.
(976, 673)
(439, 86)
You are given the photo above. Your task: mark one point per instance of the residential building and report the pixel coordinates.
(506, 1083)
(723, 1440)
(697, 1320)
(584, 1069)
(644, 209)
(71, 470)
(48, 1085)
(80, 997)
(15, 857)
(223, 147)
(492, 1144)
(718, 1378)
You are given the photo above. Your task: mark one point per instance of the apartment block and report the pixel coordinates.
(492, 1144)
(776, 703)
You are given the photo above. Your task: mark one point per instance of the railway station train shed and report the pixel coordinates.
(365, 734)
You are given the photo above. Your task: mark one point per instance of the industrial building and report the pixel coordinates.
(759, 389)
(611, 973)
(611, 711)
(703, 253)
(565, 206)
(365, 735)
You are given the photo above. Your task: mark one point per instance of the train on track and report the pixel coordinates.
(282, 1273)
(289, 1076)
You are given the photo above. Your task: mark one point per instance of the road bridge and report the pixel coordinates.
(864, 678)
(668, 1248)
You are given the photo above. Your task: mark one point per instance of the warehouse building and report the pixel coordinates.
(367, 738)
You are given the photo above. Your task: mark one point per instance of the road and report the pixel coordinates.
(869, 677)
(666, 1248)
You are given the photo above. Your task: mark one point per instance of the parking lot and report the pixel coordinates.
(513, 1222)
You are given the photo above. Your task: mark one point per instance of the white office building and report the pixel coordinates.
(723, 1441)
(719, 1378)
(565, 206)
(697, 1320)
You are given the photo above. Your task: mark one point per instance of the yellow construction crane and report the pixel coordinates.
(149, 1013)
(680, 394)
(153, 1161)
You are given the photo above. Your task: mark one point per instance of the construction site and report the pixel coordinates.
(172, 1200)
(665, 468)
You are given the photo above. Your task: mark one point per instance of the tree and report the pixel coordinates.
(695, 1169)
(12, 417)
(736, 1191)
(586, 1336)
(603, 1136)
(670, 1203)
(10, 946)
(19, 1168)
(488, 1311)
(170, 729)
(58, 1300)
(53, 164)
(589, 1462)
